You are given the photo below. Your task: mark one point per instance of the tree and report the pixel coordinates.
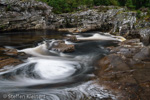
(64, 6)
(129, 4)
(122, 2)
(114, 2)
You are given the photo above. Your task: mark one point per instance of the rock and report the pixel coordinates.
(126, 71)
(144, 9)
(109, 19)
(60, 46)
(13, 53)
(133, 34)
(143, 34)
(5, 61)
(124, 31)
(71, 38)
(11, 57)
(23, 15)
(143, 55)
(71, 30)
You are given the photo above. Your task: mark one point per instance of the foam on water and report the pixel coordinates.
(101, 37)
(36, 51)
(54, 69)
(42, 52)
(40, 71)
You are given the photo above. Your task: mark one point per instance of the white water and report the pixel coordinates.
(102, 37)
(48, 70)
(54, 69)
(36, 51)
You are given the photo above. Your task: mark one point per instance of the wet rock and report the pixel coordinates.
(13, 53)
(11, 57)
(126, 71)
(5, 61)
(60, 46)
(71, 38)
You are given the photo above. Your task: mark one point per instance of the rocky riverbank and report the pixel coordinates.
(126, 70)
(31, 14)
(115, 20)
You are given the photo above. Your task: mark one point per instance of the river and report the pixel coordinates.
(50, 75)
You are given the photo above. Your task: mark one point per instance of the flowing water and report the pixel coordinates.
(50, 75)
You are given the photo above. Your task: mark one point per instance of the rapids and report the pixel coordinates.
(48, 75)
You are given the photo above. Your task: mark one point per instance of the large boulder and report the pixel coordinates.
(126, 71)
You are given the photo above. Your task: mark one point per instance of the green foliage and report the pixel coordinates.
(142, 3)
(138, 14)
(114, 2)
(64, 6)
(2, 27)
(105, 2)
(129, 4)
(8, 8)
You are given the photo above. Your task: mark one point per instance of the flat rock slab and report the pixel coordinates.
(126, 71)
